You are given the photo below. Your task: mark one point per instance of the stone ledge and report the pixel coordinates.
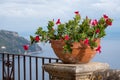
(77, 68)
(59, 71)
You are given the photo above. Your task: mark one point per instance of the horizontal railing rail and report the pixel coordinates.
(23, 67)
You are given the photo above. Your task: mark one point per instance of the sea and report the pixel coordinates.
(110, 53)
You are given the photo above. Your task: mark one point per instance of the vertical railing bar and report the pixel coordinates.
(8, 72)
(8, 67)
(13, 67)
(36, 68)
(5, 71)
(18, 67)
(30, 68)
(3, 66)
(12, 70)
(43, 69)
(49, 62)
(57, 60)
(24, 65)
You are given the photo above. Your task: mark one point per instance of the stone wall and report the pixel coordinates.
(110, 74)
(89, 71)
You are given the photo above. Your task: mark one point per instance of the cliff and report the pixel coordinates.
(11, 42)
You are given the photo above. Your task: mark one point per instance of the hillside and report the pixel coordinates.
(14, 43)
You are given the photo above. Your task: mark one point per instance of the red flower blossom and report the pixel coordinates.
(66, 37)
(99, 49)
(76, 12)
(94, 22)
(97, 31)
(26, 47)
(58, 22)
(105, 16)
(37, 38)
(86, 41)
(108, 22)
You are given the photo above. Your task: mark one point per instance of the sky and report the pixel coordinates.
(25, 16)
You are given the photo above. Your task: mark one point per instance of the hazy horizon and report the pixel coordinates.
(25, 16)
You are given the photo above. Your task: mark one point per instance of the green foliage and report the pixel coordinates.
(75, 30)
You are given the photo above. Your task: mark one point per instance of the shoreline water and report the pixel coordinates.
(110, 53)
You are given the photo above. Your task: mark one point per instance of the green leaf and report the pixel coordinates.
(32, 39)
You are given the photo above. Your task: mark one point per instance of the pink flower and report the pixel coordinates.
(94, 22)
(37, 38)
(26, 47)
(58, 22)
(86, 41)
(66, 37)
(99, 49)
(105, 16)
(108, 22)
(97, 31)
(76, 12)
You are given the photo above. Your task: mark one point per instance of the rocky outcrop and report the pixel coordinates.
(13, 43)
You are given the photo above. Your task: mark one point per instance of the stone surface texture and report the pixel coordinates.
(110, 74)
(59, 71)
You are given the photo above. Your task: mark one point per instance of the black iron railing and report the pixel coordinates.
(23, 67)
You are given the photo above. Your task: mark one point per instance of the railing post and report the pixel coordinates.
(7, 64)
(24, 66)
(14, 66)
(18, 67)
(30, 67)
(43, 69)
(36, 68)
(3, 67)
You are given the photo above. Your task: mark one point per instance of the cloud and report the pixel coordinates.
(109, 6)
(26, 15)
(56, 8)
(46, 8)
(33, 8)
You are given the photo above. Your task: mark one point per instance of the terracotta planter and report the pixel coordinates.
(80, 53)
